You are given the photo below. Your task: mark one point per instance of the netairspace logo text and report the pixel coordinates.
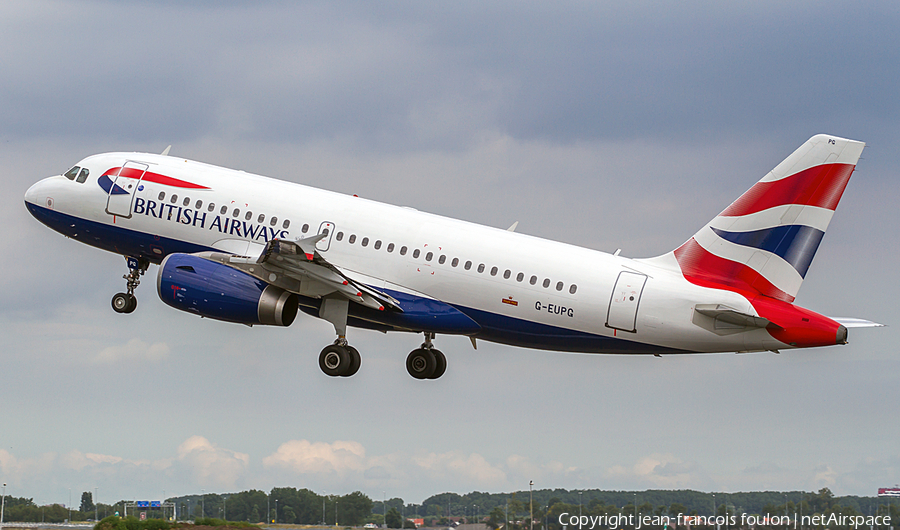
(617, 521)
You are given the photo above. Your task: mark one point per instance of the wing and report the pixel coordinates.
(297, 266)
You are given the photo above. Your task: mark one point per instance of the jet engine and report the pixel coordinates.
(213, 290)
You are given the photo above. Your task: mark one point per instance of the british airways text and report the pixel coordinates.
(222, 224)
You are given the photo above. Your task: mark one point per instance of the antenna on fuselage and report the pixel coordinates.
(166, 151)
(513, 227)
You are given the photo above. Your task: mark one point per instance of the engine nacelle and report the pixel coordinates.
(213, 290)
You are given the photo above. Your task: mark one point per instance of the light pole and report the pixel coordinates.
(2, 504)
(383, 510)
(95, 503)
(276, 511)
(335, 512)
(531, 504)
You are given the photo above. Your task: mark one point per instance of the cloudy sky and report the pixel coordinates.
(603, 124)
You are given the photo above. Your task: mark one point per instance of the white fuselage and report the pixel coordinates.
(500, 278)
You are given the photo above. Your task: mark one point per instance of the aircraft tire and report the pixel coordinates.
(421, 363)
(440, 365)
(132, 304)
(121, 302)
(334, 360)
(355, 362)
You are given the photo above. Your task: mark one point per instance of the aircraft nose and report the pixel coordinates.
(39, 194)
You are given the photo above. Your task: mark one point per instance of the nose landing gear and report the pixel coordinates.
(127, 302)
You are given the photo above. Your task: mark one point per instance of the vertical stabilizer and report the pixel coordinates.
(764, 242)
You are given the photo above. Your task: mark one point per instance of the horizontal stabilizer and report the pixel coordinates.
(724, 313)
(849, 322)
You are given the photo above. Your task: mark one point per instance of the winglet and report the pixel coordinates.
(513, 227)
(166, 151)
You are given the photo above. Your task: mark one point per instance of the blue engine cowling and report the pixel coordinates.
(213, 290)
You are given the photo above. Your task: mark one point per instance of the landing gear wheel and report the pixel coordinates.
(124, 303)
(132, 303)
(334, 360)
(355, 361)
(421, 363)
(441, 364)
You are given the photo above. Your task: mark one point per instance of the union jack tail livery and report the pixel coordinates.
(764, 242)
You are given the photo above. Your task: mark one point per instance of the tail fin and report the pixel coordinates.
(765, 241)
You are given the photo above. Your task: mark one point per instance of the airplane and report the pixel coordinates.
(244, 248)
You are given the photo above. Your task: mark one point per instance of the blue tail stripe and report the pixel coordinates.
(796, 244)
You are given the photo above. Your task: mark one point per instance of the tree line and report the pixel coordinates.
(510, 511)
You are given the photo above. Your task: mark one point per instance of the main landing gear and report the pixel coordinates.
(426, 362)
(127, 302)
(342, 360)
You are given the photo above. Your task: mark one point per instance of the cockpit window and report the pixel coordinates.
(83, 175)
(72, 173)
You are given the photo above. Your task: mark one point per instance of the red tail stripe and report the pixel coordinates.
(149, 176)
(820, 186)
(705, 269)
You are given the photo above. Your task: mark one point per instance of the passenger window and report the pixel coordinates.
(364, 242)
(162, 196)
(72, 173)
(198, 204)
(468, 265)
(390, 248)
(403, 251)
(494, 271)
(520, 277)
(261, 219)
(559, 286)
(211, 207)
(224, 210)
(481, 268)
(546, 283)
(533, 280)
(339, 236)
(442, 259)
(236, 212)
(187, 200)
(273, 221)
(455, 262)
(416, 253)
(174, 198)
(248, 216)
(83, 175)
(428, 256)
(352, 239)
(573, 288)
(378, 244)
(506, 274)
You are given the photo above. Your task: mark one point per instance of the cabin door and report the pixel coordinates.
(623, 304)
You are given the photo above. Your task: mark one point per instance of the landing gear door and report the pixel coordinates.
(327, 228)
(124, 185)
(623, 304)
